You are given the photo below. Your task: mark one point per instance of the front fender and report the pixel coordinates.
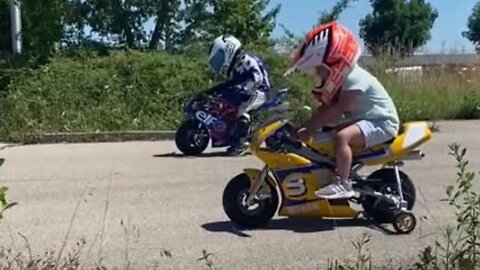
(253, 174)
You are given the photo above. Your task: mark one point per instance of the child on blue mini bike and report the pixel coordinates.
(247, 88)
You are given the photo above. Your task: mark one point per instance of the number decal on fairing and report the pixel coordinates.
(294, 185)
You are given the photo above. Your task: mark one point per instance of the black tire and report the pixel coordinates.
(382, 211)
(404, 222)
(190, 139)
(233, 194)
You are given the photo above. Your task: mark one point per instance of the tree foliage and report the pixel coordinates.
(42, 26)
(49, 25)
(120, 21)
(473, 32)
(4, 24)
(248, 20)
(397, 26)
(167, 23)
(332, 15)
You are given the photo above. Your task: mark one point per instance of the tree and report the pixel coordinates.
(196, 17)
(166, 23)
(42, 27)
(244, 19)
(45, 25)
(5, 38)
(397, 26)
(49, 25)
(247, 20)
(76, 14)
(473, 32)
(332, 15)
(118, 21)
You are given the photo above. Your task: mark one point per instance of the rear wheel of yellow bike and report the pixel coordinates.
(384, 181)
(254, 215)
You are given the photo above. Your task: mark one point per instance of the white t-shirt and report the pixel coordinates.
(375, 104)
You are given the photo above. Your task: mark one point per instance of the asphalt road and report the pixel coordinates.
(170, 207)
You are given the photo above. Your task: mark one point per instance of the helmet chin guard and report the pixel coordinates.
(335, 48)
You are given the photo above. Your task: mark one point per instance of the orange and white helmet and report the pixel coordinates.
(330, 45)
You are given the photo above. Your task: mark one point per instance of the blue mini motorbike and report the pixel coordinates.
(212, 118)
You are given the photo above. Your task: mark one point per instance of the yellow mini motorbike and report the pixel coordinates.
(295, 169)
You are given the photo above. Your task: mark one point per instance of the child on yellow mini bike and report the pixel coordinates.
(370, 118)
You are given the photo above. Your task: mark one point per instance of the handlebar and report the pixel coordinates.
(293, 141)
(286, 136)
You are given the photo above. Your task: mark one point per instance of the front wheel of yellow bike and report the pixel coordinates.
(252, 215)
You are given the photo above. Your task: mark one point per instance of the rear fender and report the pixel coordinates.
(254, 174)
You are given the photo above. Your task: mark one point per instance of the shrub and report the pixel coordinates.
(3, 200)
(4, 204)
(135, 90)
(461, 248)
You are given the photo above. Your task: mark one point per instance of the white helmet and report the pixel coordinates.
(222, 52)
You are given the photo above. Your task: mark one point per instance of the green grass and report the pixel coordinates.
(4, 203)
(147, 90)
(436, 96)
(126, 91)
(3, 200)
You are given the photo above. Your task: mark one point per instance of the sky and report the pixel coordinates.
(300, 15)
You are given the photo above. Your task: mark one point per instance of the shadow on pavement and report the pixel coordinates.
(298, 225)
(203, 155)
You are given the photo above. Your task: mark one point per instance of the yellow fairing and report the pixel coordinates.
(319, 209)
(260, 135)
(299, 197)
(276, 160)
(301, 192)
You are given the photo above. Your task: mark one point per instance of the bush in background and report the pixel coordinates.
(132, 90)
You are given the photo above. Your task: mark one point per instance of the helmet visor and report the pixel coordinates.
(217, 60)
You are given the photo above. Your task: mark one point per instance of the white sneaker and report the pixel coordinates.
(336, 190)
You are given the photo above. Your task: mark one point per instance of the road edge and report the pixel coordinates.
(119, 136)
(93, 137)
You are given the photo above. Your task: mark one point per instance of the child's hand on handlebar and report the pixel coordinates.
(303, 134)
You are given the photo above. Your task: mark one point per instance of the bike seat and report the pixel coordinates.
(328, 129)
(400, 132)
(409, 135)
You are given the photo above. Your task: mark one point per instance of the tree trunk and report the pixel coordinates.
(157, 34)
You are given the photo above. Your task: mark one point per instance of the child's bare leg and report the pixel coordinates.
(343, 139)
(351, 135)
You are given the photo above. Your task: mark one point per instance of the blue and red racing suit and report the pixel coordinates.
(248, 86)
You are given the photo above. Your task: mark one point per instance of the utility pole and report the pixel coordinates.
(16, 26)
